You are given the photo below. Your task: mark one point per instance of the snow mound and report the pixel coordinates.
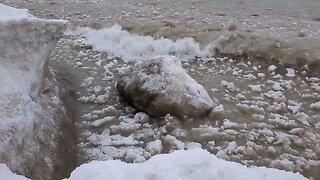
(131, 47)
(191, 164)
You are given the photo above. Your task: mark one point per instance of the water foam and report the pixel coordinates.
(258, 45)
(131, 47)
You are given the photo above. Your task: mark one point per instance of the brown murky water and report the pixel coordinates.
(261, 138)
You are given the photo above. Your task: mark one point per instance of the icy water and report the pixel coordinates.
(267, 114)
(254, 124)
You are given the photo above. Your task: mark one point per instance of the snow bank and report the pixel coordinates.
(133, 47)
(30, 107)
(5, 173)
(191, 164)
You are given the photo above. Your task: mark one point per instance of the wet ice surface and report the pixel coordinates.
(268, 114)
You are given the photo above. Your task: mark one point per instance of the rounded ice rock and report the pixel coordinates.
(161, 86)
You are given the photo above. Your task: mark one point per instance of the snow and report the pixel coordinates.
(271, 68)
(286, 164)
(218, 109)
(8, 13)
(229, 86)
(276, 95)
(256, 88)
(227, 124)
(290, 72)
(191, 164)
(135, 155)
(124, 141)
(192, 145)
(141, 117)
(250, 108)
(125, 127)
(315, 106)
(294, 108)
(277, 87)
(5, 173)
(223, 154)
(174, 142)
(206, 131)
(101, 122)
(133, 47)
(261, 75)
(154, 147)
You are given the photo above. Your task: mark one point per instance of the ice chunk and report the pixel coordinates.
(290, 72)
(272, 68)
(256, 88)
(154, 147)
(315, 106)
(174, 141)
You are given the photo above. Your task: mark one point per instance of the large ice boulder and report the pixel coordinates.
(30, 108)
(161, 86)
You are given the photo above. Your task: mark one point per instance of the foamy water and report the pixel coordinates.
(253, 45)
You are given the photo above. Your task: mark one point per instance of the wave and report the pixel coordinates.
(253, 45)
